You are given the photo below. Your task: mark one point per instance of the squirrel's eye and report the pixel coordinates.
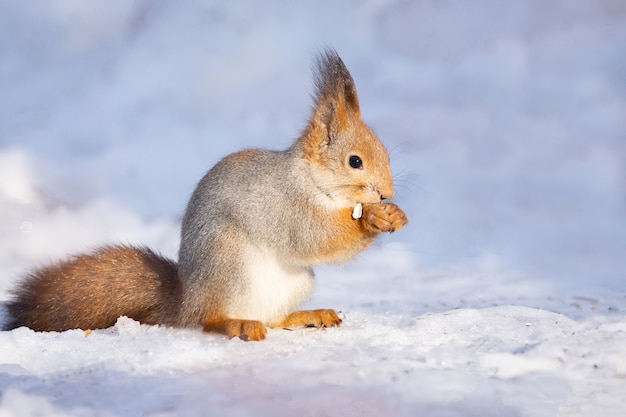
(355, 162)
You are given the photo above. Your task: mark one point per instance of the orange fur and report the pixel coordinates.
(90, 291)
(248, 330)
(350, 235)
(310, 318)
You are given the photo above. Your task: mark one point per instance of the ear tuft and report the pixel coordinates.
(334, 83)
(336, 104)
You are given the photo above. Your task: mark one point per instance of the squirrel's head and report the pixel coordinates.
(348, 161)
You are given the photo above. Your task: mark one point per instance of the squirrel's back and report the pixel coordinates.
(90, 291)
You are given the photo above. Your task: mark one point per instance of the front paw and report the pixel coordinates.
(383, 217)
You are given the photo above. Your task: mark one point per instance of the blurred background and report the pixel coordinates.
(505, 121)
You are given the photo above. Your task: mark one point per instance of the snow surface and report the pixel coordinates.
(506, 124)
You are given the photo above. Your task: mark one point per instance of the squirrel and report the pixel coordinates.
(255, 226)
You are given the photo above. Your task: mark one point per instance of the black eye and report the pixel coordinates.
(355, 162)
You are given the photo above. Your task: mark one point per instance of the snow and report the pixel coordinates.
(505, 294)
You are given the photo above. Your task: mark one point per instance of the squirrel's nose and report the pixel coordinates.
(386, 192)
(385, 185)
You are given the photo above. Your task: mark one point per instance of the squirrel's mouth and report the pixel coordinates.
(370, 197)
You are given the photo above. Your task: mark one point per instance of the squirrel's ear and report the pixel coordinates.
(330, 115)
(336, 100)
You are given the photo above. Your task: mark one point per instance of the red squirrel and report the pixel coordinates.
(254, 228)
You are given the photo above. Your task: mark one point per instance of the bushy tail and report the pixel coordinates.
(90, 291)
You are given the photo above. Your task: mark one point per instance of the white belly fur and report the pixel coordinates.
(274, 288)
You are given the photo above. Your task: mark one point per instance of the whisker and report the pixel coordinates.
(329, 189)
(399, 149)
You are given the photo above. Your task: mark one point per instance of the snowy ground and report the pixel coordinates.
(506, 122)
